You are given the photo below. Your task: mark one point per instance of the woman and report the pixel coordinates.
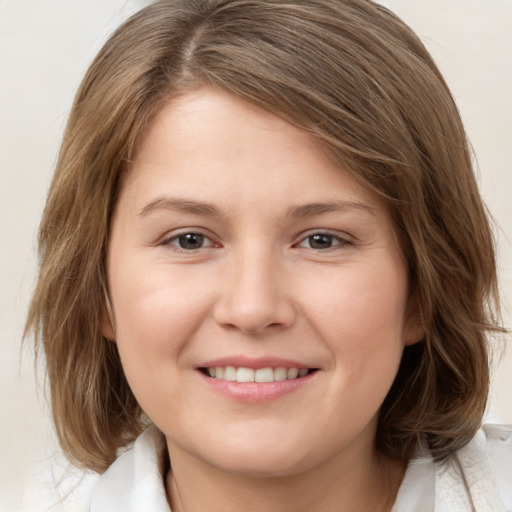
(265, 261)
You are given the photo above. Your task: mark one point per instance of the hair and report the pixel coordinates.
(356, 78)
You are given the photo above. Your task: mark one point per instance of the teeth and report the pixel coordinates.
(245, 375)
(233, 374)
(229, 373)
(264, 375)
(280, 374)
(292, 373)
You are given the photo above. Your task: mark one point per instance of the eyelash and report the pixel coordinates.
(338, 241)
(176, 238)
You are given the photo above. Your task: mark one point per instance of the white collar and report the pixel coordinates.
(135, 481)
(465, 482)
(417, 490)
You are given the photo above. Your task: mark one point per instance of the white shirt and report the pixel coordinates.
(478, 478)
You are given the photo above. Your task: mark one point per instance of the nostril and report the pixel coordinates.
(255, 307)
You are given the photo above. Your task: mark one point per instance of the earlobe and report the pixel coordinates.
(414, 327)
(414, 330)
(107, 327)
(107, 318)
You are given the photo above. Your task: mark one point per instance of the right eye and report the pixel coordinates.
(189, 241)
(320, 241)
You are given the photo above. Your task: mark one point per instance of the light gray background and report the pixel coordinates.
(45, 47)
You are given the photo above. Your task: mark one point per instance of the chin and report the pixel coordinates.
(260, 459)
(262, 466)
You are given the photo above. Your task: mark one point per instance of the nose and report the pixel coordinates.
(253, 296)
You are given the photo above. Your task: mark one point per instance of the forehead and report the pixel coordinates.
(211, 146)
(215, 121)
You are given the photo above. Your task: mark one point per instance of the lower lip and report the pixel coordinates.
(256, 391)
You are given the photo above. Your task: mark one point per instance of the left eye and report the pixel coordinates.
(190, 241)
(321, 241)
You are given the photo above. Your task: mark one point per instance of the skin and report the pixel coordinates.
(257, 287)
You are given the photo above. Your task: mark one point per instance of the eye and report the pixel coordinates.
(319, 241)
(190, 241)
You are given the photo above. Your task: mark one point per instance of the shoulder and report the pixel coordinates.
(54, 485)
(479, 475)
(135, 481)
(499, 449)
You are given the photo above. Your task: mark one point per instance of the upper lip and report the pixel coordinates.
(254, 363)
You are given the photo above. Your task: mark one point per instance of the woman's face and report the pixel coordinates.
(240, 252)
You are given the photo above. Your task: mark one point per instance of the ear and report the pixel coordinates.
(107, 318)
(107, 327)
(414, 330)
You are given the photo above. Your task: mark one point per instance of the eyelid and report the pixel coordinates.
(175, 234)
(343, 239)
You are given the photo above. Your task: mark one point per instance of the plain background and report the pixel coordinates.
(46, 46)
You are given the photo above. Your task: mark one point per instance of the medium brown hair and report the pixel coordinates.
(354, 76)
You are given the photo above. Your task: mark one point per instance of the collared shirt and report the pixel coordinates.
(477, 478)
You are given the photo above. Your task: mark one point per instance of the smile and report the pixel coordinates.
(244, 374)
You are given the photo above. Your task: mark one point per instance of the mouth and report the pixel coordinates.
(261, 375)
(256, 380)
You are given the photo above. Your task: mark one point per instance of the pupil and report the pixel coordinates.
(191, 241)
(320, 241)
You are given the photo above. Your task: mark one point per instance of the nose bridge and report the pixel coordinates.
(254, 295)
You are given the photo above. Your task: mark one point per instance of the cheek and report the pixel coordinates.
(360, 305)
(156, 315)
(155, 320)
(360, 317)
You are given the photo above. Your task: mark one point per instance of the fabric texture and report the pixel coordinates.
(478, 478)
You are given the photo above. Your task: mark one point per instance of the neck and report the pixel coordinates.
(349, 483)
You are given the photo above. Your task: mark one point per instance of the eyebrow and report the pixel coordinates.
(209, 210)
(180, 205)
(311, 209)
